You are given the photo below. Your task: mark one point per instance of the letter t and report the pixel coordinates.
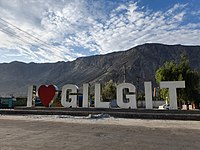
(172, 86)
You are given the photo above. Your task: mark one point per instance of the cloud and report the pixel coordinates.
(65, 30)
(136, 26)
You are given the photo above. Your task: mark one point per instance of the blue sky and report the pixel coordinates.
(62, 30)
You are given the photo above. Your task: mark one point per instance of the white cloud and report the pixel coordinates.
(79, 28)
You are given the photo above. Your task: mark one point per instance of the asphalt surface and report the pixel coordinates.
(31, 134)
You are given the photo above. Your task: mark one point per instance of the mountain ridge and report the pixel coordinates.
(141, 63)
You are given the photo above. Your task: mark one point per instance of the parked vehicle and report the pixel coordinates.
(38, 101)
(164, 107)
(7, 102)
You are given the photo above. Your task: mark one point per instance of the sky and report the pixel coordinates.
(62, 30)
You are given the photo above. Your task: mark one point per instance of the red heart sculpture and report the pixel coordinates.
(46, 94)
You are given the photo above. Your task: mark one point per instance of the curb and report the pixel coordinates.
(118, 113)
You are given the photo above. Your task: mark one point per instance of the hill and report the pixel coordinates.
(140, 62)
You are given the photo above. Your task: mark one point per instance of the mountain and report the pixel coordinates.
(140, 62)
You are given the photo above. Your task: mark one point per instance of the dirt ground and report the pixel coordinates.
(30, 133)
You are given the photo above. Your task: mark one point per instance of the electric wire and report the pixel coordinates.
(34, 38)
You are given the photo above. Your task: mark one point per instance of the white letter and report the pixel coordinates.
(85, 95)
(97, 97)
(131, 97)
(31, 96)
(65, 100)
(172, 86)
(148, 95)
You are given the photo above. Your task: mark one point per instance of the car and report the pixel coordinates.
(164, 106)
(38, 102)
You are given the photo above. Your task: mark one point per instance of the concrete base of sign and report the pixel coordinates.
(119, 113)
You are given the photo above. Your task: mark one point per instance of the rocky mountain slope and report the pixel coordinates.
(140, 62)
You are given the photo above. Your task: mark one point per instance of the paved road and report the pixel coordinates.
(46, 135)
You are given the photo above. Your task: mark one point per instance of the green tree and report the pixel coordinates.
(180, 71)
(109, 91)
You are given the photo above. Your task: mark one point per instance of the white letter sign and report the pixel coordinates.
(85, 95)
(68, 100)
(148, 95)
(172, 86)
(97, 97)
(131, 97)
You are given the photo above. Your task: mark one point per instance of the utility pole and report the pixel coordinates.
(124, 64)
(138, 84)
